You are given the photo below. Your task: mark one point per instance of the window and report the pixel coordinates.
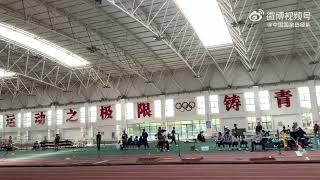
(157, 108)
(264, 100)
(249, 98)
(214, 106)
(118, 112)
(1, 121)
(251, 123)
(188, 129)
(27, 119)
(19, 120)
(45, 47)
(151, 128)
(201, 107)
(169, 108)
(216, 124)
(307, 120)
(129, 111)
(49, 118)
(5, 73)
(83, 115)
(304, 96)
(318, 94)
(266, 122)
(93, 114)
(59, 117)
(90, 132)
(205, 16)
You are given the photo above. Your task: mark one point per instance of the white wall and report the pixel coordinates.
(72, 130)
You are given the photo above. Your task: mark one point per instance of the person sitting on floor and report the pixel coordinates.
(219, 141)
(257, 141)
(201, 137)
(243, 142)
(36, 146)
(227, 139)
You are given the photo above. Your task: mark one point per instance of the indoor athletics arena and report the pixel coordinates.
(159, 89)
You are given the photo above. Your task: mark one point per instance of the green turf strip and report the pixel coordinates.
(110, 150)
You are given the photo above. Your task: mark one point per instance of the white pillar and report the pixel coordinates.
(22, 125)
(123, 115)
(257, 103)
(84, 126)
(314, 103)
(53, 123)
(207, 112)
(163, 112)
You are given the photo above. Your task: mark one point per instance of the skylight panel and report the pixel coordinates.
(5, 74)
(207, 20)
(46, 48)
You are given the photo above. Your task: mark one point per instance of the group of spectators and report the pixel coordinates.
(231, 139)
(161, 136)
(126, 142)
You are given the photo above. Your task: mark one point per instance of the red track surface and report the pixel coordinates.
(163, 172)
(125, 160)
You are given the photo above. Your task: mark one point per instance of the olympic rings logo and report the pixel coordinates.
(185, 106)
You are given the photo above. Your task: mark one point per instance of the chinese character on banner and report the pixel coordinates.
(11, 120)
(232, 102)
(40, 118)
(72, 114)
(283, 98)
(105, 112)
(144, 110)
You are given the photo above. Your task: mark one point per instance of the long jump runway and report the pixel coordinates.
(34, 161)
(161, 172)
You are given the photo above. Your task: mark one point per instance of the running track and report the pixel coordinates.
(161, 172)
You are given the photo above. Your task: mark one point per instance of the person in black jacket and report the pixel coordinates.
(201, 137)
(98, 138)
(258, 128)
(145, 139)
(173, 136)
(56, 142)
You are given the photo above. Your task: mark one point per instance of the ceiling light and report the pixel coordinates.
(157, 38)
(207, 20)
(42, 46)
(107, 86)
(6, 74)
(92, 49)
(313, 62)
(197, 76)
